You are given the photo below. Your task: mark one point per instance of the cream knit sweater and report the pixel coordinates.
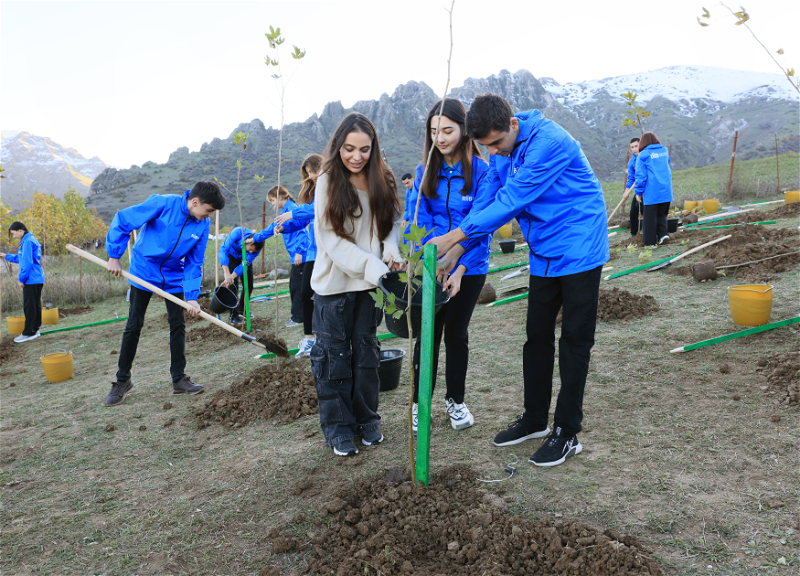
(344, 266)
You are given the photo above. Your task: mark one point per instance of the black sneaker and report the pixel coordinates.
(236, 320)
(556, 449)
(518, 432)
(371, 437)
(186, 386)
(345, 448)
(118, 392)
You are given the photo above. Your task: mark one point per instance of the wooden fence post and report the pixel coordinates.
(733, 158)
(777, 163)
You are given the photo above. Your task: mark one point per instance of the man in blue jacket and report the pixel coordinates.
(230, 256)
(544, 180)
(636, 206)
(169, 253)
(411, 199)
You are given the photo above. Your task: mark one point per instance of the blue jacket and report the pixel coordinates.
(29, 259)
(171, 245)
(450, 207)
(295, 242)
(303, 218)
(232, 248)
(411, 203)
(653, 175)
(548, 185)
(631, 171)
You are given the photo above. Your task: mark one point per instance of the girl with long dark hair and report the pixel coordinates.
(30, 278)
(455, 184)
(356, 206)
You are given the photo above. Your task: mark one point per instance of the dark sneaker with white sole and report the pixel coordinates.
(518, 431)
(346, 448)
(118, 392)
(371, 437)
(186, 386)
(556, 449)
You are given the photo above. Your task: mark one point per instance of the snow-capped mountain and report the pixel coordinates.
(678, 83)
(35, 163)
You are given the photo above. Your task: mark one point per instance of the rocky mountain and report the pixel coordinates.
(35, 163)
(696, 110)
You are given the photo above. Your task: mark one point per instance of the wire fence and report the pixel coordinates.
(762, 167)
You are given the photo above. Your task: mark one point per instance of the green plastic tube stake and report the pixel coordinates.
(426, 364)
(84, 325)
(731, 215)
(642, 267)
(244, 282)
(732, 225)
(726, 337)
(499, 268)
(509, 299)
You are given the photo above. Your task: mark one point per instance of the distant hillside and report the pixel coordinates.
(694, 109)
(35, 163)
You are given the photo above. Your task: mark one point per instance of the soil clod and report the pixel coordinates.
(783, 377)
(110, 428)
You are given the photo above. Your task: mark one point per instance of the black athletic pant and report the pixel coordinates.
(296, 292)
(232, 264)
(578, 295)
(32, 308)
(636, 211)
(654, 223)
(133, 328)
(453, 319)
(308, 295)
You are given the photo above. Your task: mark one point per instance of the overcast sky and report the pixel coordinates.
(133, 81)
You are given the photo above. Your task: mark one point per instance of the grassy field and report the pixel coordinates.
(696, 462)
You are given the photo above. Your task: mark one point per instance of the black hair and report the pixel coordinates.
(486, 113)
(466, 149)
(634, 139)
(406, 175)
(16, 226)
(208, 193)
(258, 245)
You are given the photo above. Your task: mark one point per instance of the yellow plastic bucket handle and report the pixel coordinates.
(743, 289)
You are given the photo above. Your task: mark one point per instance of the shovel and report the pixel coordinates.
(262, 342)
(516, 273)
(692, 251)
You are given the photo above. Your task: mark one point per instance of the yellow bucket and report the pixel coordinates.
(710, 206)
(50, 316)
(57, 366)
(751, 304)
(689, 205)
(16, 324)
(793, 196)
(505, 230)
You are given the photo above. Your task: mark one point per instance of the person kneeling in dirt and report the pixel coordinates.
(543, 179)
(169, 253)
(230, 256)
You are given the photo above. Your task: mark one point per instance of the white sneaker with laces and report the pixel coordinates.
(663, 238)
(304, 348)
(460, 416)
(22, 338)
(415, 416)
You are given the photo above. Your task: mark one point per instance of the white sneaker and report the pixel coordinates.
(663, 238)
(414, 417)
(460, 416)
(21, 338)
(304, 348)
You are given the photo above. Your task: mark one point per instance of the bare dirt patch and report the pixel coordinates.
(221, 338)
(616, 304)
(74, 311)
(783, 378)
(285, 391)
(9, 352)
(452, 527)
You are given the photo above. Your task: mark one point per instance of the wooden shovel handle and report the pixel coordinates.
(166, 295)
(624, 196)
(693, 250)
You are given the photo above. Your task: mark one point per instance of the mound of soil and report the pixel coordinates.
(9, 352)
(783, 377)
(221, 337)
(452, 527)
(287, 392)
(74, 311)
(616, 304)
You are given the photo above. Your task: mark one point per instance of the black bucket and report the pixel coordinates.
(672, 224)
(225, 299)
(507, 246)
(391, 366)
(392, 284)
